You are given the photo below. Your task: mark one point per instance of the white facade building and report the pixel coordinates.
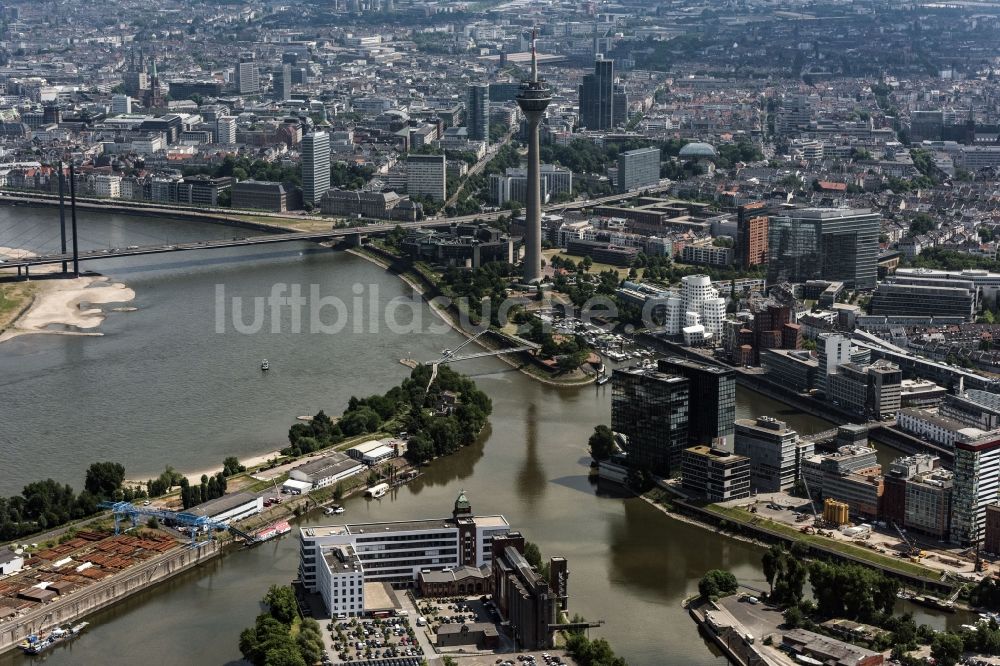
(699, 305)
(108, 187)
(394, 552)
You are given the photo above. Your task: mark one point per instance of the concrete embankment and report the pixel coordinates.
(492, 340)
(102, 594)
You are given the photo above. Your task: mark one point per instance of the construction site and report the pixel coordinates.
(832, 520)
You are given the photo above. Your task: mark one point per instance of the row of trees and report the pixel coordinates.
(47, 504)
(211, 487)
(270, 642)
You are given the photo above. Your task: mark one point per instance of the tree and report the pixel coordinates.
(281, 603)
(717, 583)
(601, 443)
(104, 479)
(793, 617)
(533, 555)
(947, 649)
(231, 466)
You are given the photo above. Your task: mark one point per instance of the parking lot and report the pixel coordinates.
(534, 658)
(357, 640)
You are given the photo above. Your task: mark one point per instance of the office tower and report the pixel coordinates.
(638, 169)
(833, 350)
(650, 409)
(597, 96)
(477, 112)
(533, 99)
(315, 167)
(712, 391)
(225, 130)
(926, 126)
(833, 244)
(247, 76)
(619, 106)
(907, 296)
(975, 486)
(751, 232)
(290, 58)
(426, 175)
(282, 75)
(121, 104)
(775, 452)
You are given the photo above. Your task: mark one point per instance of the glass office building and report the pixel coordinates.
(833, 244)
(651, 409)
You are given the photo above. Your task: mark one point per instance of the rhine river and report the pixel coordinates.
(163, 387)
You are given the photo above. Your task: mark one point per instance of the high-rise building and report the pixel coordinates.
(834, 244)
(751, 231)
(833, 350)
(650, 409)
(225, 130)
(619, 106)
(775, 451)
(975, 486)
(247, 76)
(426, 175)
(638, 169)
(597, 96)
(712, 390)
(121, 104)
(533, 99)
(282, 79)
(315, 167)
(477, 112)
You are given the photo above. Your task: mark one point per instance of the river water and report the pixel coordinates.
(163, 387)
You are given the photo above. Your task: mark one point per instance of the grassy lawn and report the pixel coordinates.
(13, 297)
(595, 267)
(865, 554)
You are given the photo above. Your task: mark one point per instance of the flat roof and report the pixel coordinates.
(223, 504)
(365, 447)
(379, 597)
(329, 465)
(366, 529)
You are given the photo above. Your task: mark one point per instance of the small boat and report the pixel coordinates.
(264, 365)
(377, 491)
(37, 644)
(336, 509)
(603, 379)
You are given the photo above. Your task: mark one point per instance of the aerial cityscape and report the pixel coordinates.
(520, 333)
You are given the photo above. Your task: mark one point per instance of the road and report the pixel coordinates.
(491, 152)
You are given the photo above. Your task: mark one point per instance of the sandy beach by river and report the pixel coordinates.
(66, 302)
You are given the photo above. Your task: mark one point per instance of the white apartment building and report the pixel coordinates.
(935, 428)
(699, 311)
(107, 186)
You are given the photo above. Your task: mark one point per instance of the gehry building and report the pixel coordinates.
(698, 312)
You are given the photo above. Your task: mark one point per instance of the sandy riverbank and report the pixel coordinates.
(68, 302)
(195, 476)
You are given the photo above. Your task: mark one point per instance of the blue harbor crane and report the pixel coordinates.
(131, 512)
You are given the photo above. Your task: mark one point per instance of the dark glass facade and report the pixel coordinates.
(712, 399)
(651, 409)
(830, 244)
(597, 97)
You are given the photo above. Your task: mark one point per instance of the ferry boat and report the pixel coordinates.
(264, 365)
(273, 531)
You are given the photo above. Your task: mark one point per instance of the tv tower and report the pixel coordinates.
(533, 99)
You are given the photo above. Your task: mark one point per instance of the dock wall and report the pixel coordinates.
(79, 603)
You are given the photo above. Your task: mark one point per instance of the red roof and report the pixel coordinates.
(830, 185)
